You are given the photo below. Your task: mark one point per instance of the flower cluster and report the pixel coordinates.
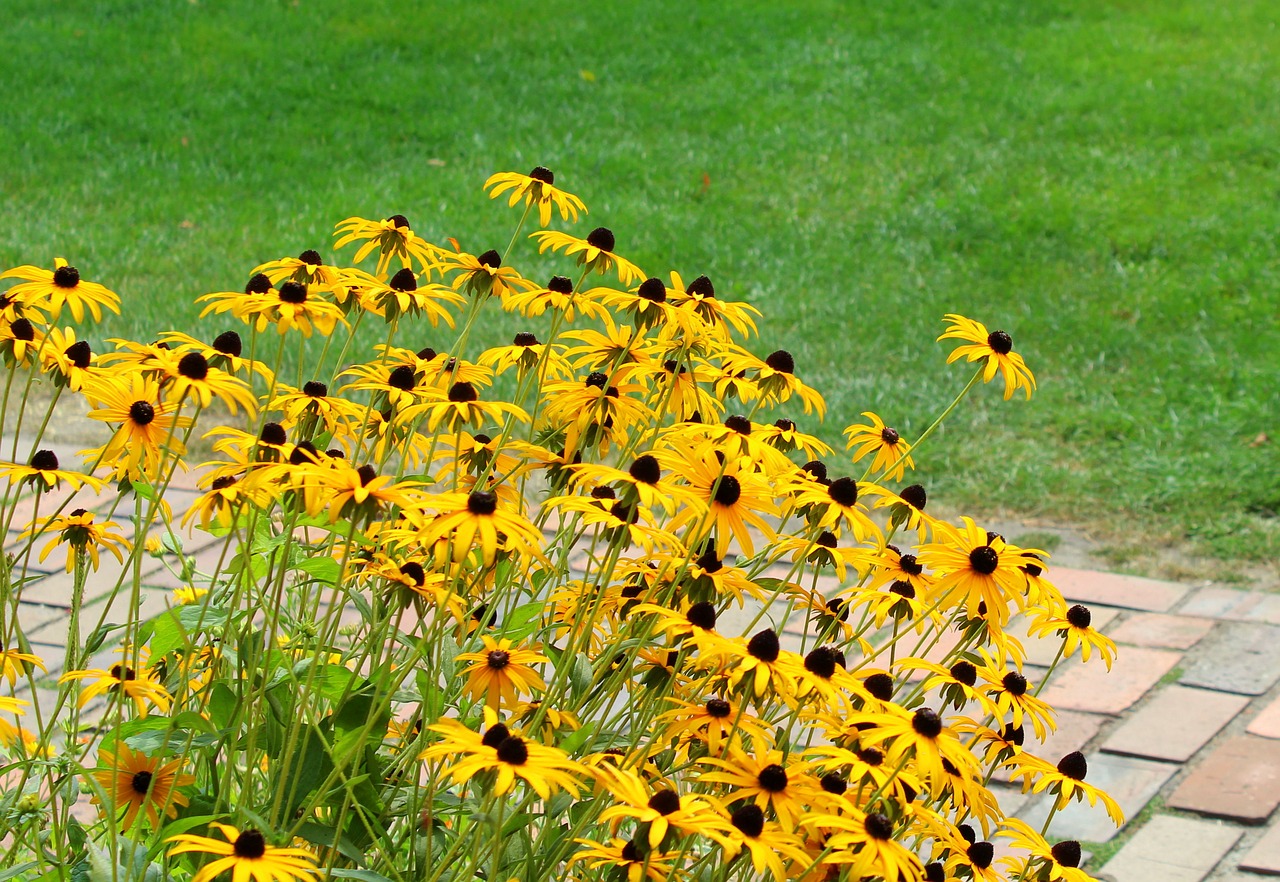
(585, 604)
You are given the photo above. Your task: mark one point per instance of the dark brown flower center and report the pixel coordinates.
(79, 353)
(903, 589)
(927, 723)
(645, 469)
(367, 474)
(257, 284)
(773, 778)
(498, 659)
(872, 756)
(560, 285)
(141, 783)
(910, 565)
(749, 820)
(142, 412)
(653, 290)
(311, 257)
(880, 686)
(1079, 616)
(701, 287)
(1074, 766)
(843, 491)
(544, 174)
(44, 460)
(981, 854)
(834, 783)
(249, 844)
(984, 560)
(1067, 853)
(193, 366)
(764, 646)
(781, 361)
(879, 827)
(22, 329)
(229, 343)
(293, 292)
(1014, 683)
(413, 571)
(1000, 342)
(718, 708)
(890, 436)
(315, 389)
(223, 482)
(702, 615)
(513, 751)
(729, 491)
(664, 802)
(463, 391)
(822, 662)
(122, 673)
(602, 238)
(402, 378)
(66, 277)
(482, 502)
(914, 496)
(404, 280)
(708, 562)
(524, 338)
(964, 672)
(495, 735)
(490, 258)
(273, 433)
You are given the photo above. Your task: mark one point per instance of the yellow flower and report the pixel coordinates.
(996, 347)
(70, 361)
(50, 291)
(147, 432)
(246, 854)
(123, 680)
(594, 252)
(509, 757)
(484, 275)
(141, 784)
(44, 470)
(1066, 780)
(13, 663)
(1077, 632)
(478, 515)
(392, 237)
(500, 673)
(975, 567)
(536, 188)
(892, 453)
(79, 532)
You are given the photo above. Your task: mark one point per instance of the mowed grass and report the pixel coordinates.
(1099, 179)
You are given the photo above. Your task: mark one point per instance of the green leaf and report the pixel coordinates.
(362, 875)
(329, 837)
(325, 569)
(222, 705)
(580, 676)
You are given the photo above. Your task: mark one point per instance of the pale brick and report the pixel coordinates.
(1091, 687)
(1111, 589)
(1267, 723)
(1161, 631)
(1264, 856)
(1174, 724)
(1171, 849)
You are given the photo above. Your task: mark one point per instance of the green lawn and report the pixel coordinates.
(1099, 179)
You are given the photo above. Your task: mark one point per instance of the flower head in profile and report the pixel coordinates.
(892, 454)
(125, 681)
(44, 472)
(81, 534)
(136, 784)
(1078, 634)
(393, 239)
(996, 347)
(536, 188)
(51, 290)
(594, 252)
(246, 854)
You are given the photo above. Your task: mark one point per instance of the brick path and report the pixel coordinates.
(1187, 721)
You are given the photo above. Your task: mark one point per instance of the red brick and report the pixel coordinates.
(1091, 687)
(1161, 631)
(1176, 723)
(1111, 589)
(1240, 780)
(1267, 723)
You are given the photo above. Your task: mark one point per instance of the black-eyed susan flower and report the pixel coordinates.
(772, 847)
(733, 494)
(536, 188)
(509, 757)
(146, 427)
(79, 531)
(468, 519)
(136, 784)
(308, 267)
(1065, 780)
(1041, 860)
(123, 681)
(834, 505)
(51, 290)
(919, 735)
(462, 406)
(717, 722)
(661, 809)
(226, 353)
(192, 376)
(19, 341)
(625, 856)
(558, 296)
(392, 237)
(867, 844)
(69, 361)
(774, 377)
(724, 316)
(404, 294)
(1077, 631)
(767, 779)
(14, 662)
(44, 472)
(892, 454)
(246, 854)
(595, 252)
(484, 275)
(500, 672)
(973, 568)
(1015, 699)
(525, 354)
(996, 348)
